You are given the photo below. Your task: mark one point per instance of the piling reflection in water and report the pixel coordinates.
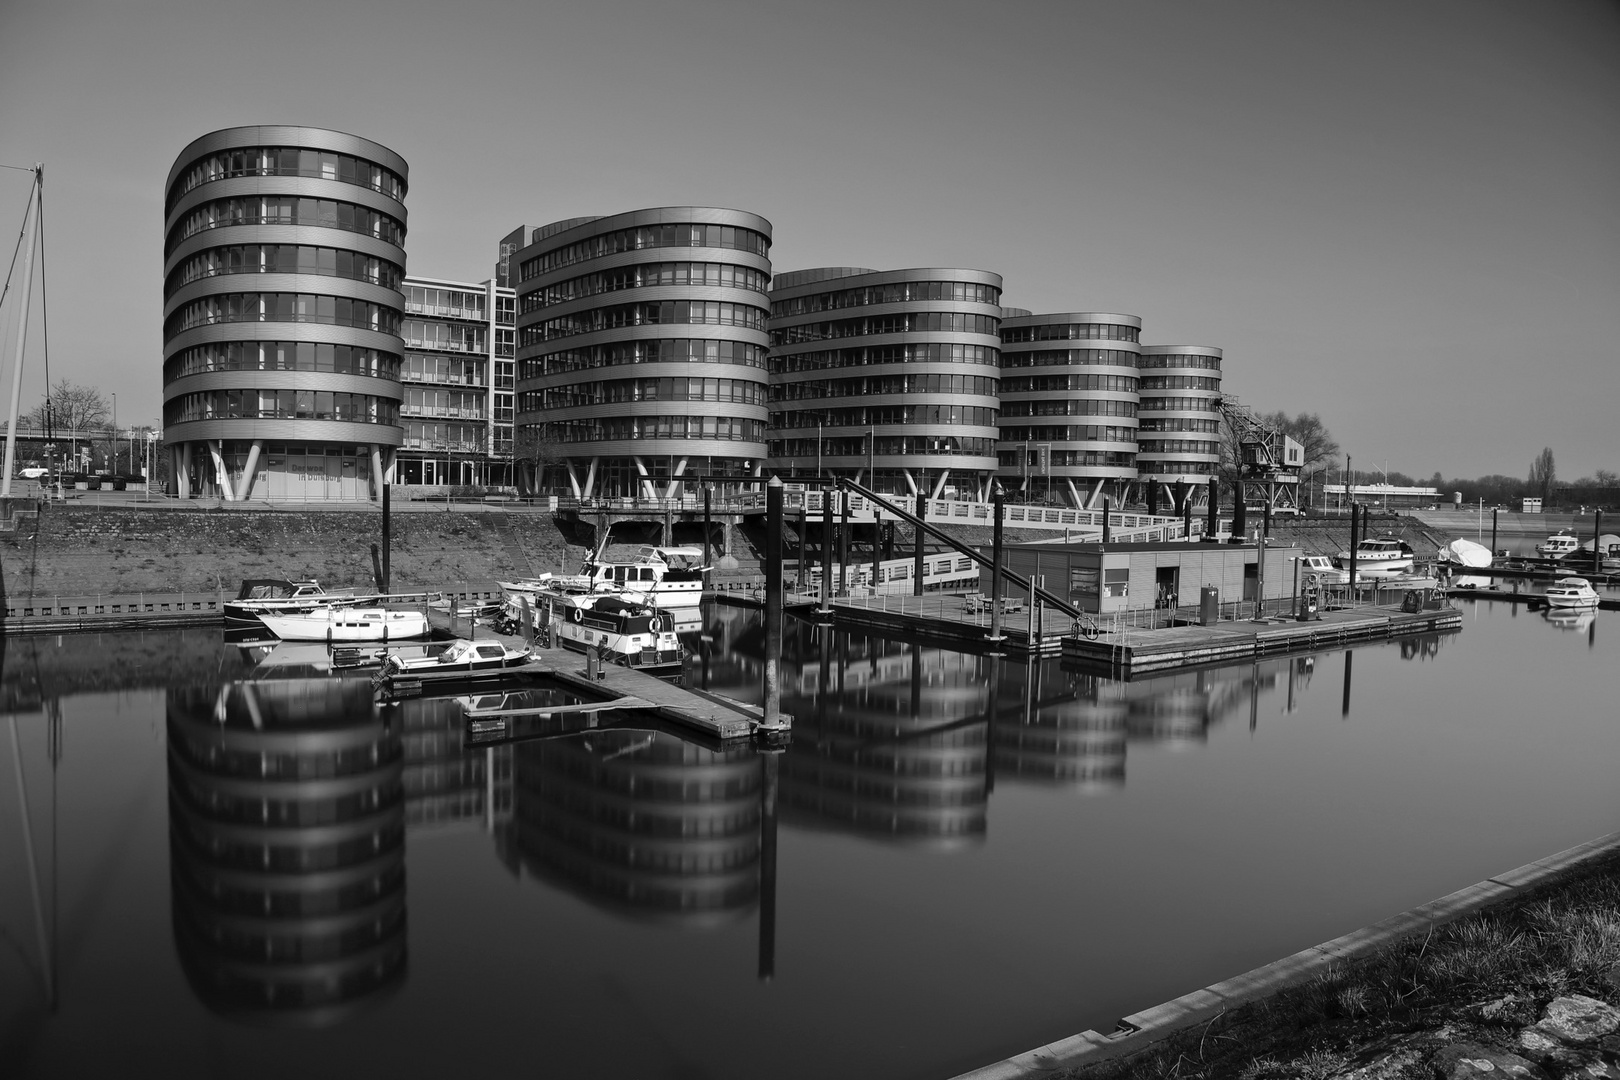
(286, 847)
(640, 822)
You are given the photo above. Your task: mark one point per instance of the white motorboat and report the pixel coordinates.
(1572, 592)
(1559, 544)
(633, 634)
(276, 596)
(458, 656)
(348, 624)
(1466, 553)
(667, 577)
(1381, 557)
(1326, 573)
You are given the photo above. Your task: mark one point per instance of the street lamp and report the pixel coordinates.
(115, 434)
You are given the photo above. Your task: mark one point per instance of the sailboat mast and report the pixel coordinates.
(31, 219)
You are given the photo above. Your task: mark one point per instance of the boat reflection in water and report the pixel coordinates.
(287, 848)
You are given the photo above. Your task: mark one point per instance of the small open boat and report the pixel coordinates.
(348, 624)
(458, 655)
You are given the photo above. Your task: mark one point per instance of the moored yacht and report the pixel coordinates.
(1572, 592)
(1559, 544)
(1380, 557)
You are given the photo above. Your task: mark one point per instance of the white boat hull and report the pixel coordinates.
(349, 624)
(1573, 601)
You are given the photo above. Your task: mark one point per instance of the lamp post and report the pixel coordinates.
(115, 434)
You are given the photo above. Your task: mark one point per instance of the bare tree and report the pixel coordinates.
(1308, 430)
(1543, 474)
(533, 451)
(76, 409)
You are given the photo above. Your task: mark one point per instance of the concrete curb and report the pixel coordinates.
(1141, 1029)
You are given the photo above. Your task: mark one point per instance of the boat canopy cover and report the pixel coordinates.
(1466, 553)
(1605, 542)
(267, 589)
(612, 605)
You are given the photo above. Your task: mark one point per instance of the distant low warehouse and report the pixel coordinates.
(1383, 495)
(1105, 578)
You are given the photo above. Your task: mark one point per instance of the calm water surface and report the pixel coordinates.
(251, 876)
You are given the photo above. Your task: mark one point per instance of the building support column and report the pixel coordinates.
(1096, 494)
(674, 480)
(377, 478)
(911, 482)
(250, 470)
(939, 485)
(180, 468)
(1074, 494)
(216, 448)
(590, 479)
(648, 488)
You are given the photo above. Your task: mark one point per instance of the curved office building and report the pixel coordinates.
(1178, 439)
(887, 377)
(641, 349)
(1068, 406)
(283, 259)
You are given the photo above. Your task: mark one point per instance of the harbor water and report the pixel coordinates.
(240, 872)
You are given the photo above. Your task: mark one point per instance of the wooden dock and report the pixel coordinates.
(1135, 653)
(1521, 596)
(711, 714)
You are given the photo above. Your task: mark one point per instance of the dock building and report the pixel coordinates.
(641, 349)
(1178, 430)
(283, 263)
(1069, 402)
(887, 377)
(458, 380)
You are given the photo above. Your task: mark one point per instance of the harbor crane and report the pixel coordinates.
(1269, 461)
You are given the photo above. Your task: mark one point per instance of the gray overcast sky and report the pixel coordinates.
(1402, 215)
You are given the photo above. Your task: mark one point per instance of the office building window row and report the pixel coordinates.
(905, 322)
(645, 276)
(736, 391)
(891, 445)
(1068, 358)
(287, 161)
(444, 436)
(1177, 446)
(286, 259)
(669, 312)
(1069, 331)
(1179, 360)
(429, 401)
(652, 351)
(978, 385)
(969, 415)
(281, 356)
(934, 352)
(1096, 459)
(1179, 382)
(1181, 423)
(656, 427)
(1184, 404)
(442, 369)
(505, 310)
(450, 337)
(288, 210)
(1079, 433)
(281, 405)
(1054, 433)
(1069, 407)
(1025, 384)
(282, 307)
(446, 303)
(643, 237)
(899, 292)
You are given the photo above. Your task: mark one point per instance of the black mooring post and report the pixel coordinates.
(827, 529)
(1265, 517)
(843, 545)
(1493, 532)
(1354, 542)
(1240, 514)
(767, 865)
(995, 567)
(1186, 518)
(1152, 498)
(386, 538)
(804, 546)
(707, 558)
(1107, 507)
(1597, 542)
(917, 556)
(877, 527)
(773, 605)
(1214, 509)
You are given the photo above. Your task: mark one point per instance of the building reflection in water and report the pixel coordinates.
(287, 847)
(889, 739)
(641, 822)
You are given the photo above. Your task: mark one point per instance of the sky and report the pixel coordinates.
(1401, 216)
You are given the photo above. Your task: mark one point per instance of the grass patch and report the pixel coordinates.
(1483, 976)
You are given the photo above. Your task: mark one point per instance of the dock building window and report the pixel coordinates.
(282, 307)
(287, 210)
(643, 237)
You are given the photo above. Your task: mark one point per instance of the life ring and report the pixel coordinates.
(576, 614)
(656, 624)
(1311, 581)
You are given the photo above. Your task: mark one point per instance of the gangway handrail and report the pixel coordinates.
(945, 538)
